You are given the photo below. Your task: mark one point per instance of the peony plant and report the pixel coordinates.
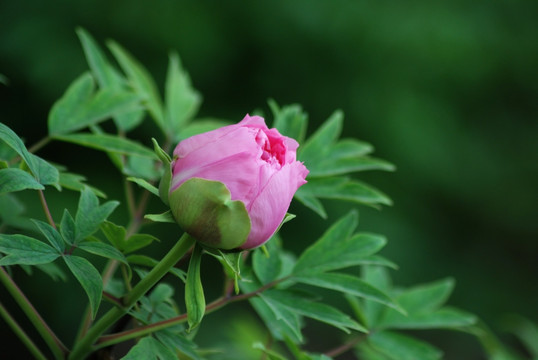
(226, 189)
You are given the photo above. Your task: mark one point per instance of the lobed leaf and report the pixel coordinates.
(101, 249)
(45, 173)
(141, 81)
(444, 318)
(289, 120)
(90, 215)
(24, 250)
(401, 347)
(107, 76)
(349, 284)
(315, 310)
(314, 148)
(51, 234)
(342, 188)
(81, 107)
(267, 267)
(178, 342)
(13, 179)
(68, 228)
(337, 249)
(279, 320)
(108, 143)
(181, 100)
(90, 279)
(76, 182)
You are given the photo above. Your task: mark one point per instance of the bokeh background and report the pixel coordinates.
(447, 91)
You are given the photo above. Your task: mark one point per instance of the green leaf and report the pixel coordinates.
(267, 267)
(138, 241)
(373, 311)
(444, 318)
(13, 179)
(141, 81)
(315, 310)
(400, 347)
(427, 297)
(90, 215)
(314, 148)
(141, 167)
(349, 284)
(312, 203)
(178, 342)
(76, 182)
(24, 250)
(422, 304)
(44, 172)
(279, 320)
(47, 174)
(101, 249)
(90, 279)
(144, 184)
(194, 291)
(165, 217)
(268, 354)
(341, 188)
(182, 101)
(52, 235)
(81, 106)
(68, 228)
(101, 68)
(150, 348)
(108, 77)
(337, 249)
(290, 120)
(334, 164)
(108, 143)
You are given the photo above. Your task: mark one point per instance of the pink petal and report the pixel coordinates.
(268, 210)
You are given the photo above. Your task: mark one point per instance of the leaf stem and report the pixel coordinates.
(38, 145)
(17, 329)
(213, 306)
(346, 346)
(83, 346)
(46, 208)
(56, 346)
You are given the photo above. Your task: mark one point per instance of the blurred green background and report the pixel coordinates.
(447, 91)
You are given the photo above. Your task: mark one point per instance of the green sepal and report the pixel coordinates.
(204, 209)
(164, 185)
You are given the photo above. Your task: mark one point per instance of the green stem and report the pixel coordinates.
(83, 346)
(56, 346)
(21, 334)
(151, 328)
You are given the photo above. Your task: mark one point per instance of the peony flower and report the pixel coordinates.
(258, 167)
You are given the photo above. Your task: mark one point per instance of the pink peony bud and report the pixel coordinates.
(256, 164)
